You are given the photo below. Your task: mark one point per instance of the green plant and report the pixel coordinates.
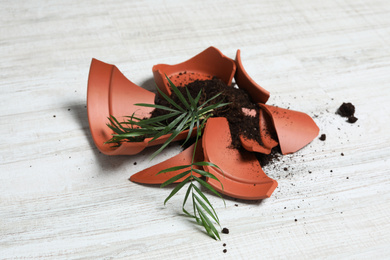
(187, 114)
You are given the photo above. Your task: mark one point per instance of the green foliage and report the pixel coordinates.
(185, 115)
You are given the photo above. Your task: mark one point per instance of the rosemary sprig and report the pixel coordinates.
(187, 115)
(202, 208)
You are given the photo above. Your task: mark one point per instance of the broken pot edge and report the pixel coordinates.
(111, 93)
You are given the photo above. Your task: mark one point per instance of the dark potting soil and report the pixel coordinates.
(266, 159)
(347, 110)
(239, 122)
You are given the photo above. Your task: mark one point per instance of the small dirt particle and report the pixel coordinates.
(225, 250)
(342, 154)
(346, 110)
(224, 244)
(323, 137)
(225, 230)
(295, 220)
(352, 119)
(135, 163)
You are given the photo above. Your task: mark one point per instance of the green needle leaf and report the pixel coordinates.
(187, 194)
(206, 164)
(175, 178)
(169, 100)
(176, 189)
(204, 206)
(178, 93)
(211, 230)
(205, 174)
(208, 186)
(208, 202)
(156, 106)
(175, 168)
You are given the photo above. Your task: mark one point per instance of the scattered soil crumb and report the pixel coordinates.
(266, 159)
(347, 110)
(323, 137)
(352, 119)
(225, 250)
(225, 230)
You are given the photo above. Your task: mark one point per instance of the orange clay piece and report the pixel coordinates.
(265, 127)
(211, 62)
(258, 94)
(111, 93)
(148, 176)
(294, 129)
(241, 174)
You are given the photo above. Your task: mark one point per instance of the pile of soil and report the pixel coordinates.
(240, 123)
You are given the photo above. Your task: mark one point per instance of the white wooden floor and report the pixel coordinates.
(61, 199)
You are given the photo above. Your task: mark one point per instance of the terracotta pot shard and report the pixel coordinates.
(111, 93)
(148, 176)
(241, 173)
(244, 81)
(211, 62)
(265, 131)
(294, 129)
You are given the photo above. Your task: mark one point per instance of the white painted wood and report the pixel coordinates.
(61, 199)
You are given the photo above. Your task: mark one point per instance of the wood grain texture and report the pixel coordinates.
(61, 199)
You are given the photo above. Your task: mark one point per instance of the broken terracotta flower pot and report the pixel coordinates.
(111, 93)
(240, 172)
(207, 64)
(294, 129)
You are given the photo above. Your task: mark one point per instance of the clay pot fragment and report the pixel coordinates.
(148, 176)
(294, 129)
(111, 93)
(265, 129)
(241, 174)
(207, 64)
(244, 81)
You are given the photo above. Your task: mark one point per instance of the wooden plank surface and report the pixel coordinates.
(60, 198)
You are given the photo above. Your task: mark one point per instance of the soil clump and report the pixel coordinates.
(347, 110)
